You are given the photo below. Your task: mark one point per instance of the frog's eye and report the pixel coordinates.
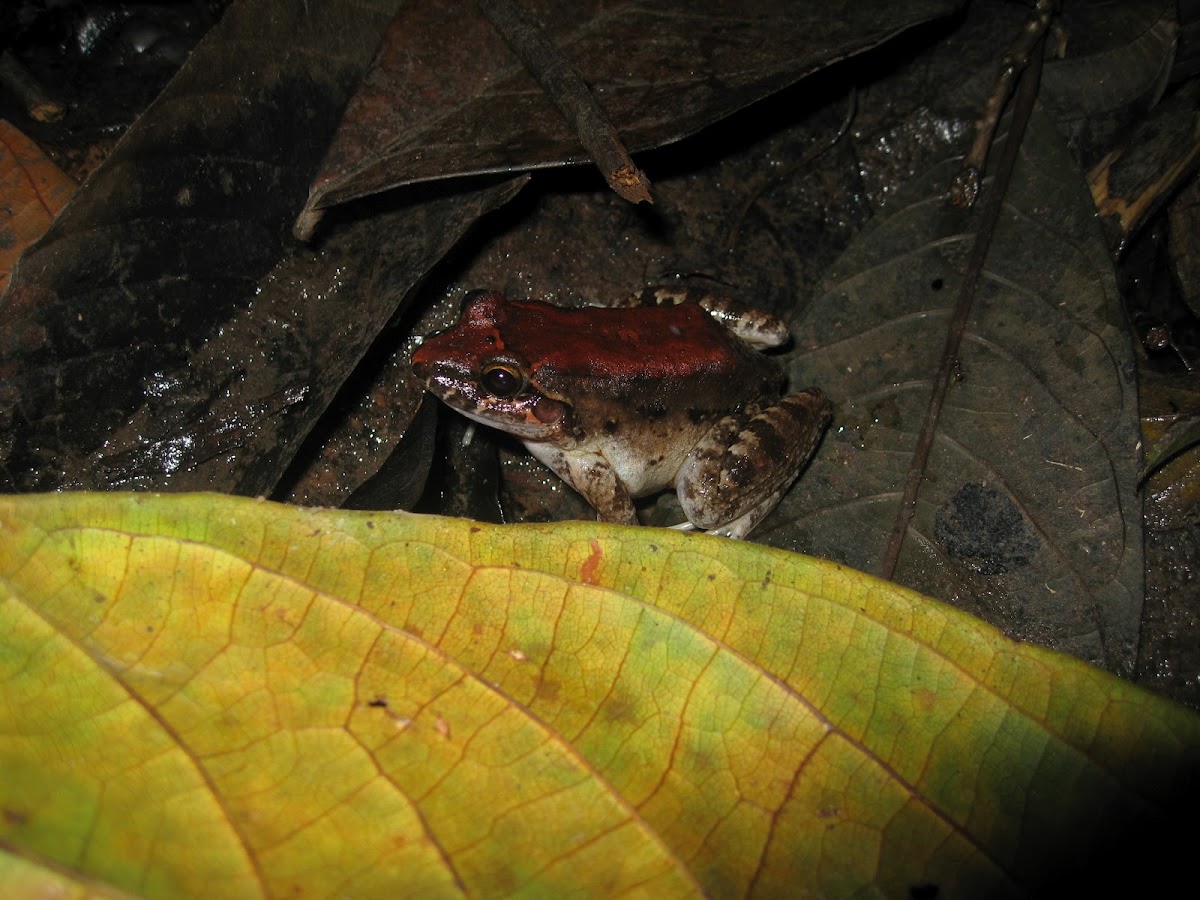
(501, 380)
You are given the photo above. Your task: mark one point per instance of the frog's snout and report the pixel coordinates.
(420, 363)
(425, 361)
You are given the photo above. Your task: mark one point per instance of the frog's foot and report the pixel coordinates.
(739, 471)
(745, 523)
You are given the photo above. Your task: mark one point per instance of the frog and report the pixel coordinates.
(662, 390)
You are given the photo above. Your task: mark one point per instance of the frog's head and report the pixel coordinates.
(471, 368)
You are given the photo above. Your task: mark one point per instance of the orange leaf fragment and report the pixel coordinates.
(32, 192)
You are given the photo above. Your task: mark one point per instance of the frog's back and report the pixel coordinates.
(637, 343)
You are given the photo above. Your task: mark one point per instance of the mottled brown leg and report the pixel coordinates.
(743, 466)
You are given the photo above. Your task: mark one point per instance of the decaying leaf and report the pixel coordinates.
(447, 97)
(168, 332)
(1028, 502)
(32, 192)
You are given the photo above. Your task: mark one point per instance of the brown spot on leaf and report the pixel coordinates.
(547, 689)
(15, 816)
(587, 572)
(618, 709)
(924, 698)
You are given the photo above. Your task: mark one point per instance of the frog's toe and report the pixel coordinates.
(747, 522)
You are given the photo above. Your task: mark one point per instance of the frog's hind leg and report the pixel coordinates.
(739, 471)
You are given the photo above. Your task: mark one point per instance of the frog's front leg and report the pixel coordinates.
(593, 477)
(739, 470)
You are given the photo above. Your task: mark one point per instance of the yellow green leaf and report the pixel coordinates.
(212, 696)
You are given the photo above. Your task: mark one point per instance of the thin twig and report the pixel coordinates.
(37, 102)
(566, 88)
(989, 216)
(1018, 58)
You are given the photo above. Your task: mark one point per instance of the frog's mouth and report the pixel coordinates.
(533, 418)
(528, 413)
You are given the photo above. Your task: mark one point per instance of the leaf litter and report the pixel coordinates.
(573, 243)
